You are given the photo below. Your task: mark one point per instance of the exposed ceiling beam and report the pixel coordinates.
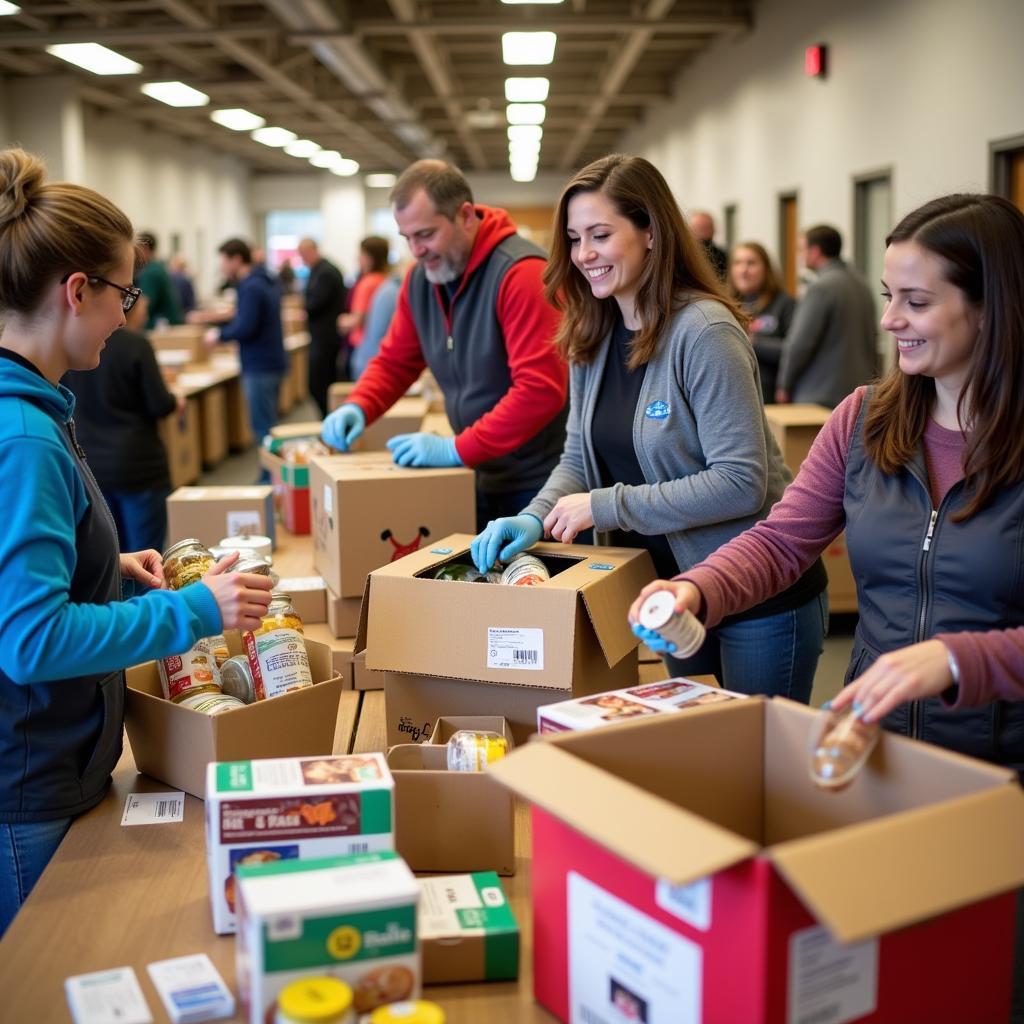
(563, 24)
(149, 36)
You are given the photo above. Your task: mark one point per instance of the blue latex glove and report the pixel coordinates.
(521, 532)
(655, 641)
(343, 426)
(422, 450)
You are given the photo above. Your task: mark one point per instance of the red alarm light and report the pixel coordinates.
(814, 61)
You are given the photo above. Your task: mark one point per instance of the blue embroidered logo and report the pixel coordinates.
(440, 551)
(603, 566)
(657, 411)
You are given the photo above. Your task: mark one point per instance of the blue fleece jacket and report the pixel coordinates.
(257, 324)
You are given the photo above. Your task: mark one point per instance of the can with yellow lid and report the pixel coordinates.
(322, 1000)
(416, 1011)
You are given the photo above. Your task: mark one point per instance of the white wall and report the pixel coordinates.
(918, 86)
(170, 186)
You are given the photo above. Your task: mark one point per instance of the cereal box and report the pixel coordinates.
(632, 702)
(278, 809)
(352, 918)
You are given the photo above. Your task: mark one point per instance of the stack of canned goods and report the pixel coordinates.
(275, 660)
(523, 571)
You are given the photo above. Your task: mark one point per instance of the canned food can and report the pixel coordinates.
(470, 750)
(186, 562)
(195, 671)
(236, 679)
(416, 1011)
(525, 571)
(276, 651)
(840, 745)
(211, 703)
(684, 629)
(249, 544)
(325, 1000)
(460, 572)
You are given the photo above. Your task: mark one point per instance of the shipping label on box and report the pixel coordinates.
(467, 930)
(260, 812)
(633, 702)
(352, 918)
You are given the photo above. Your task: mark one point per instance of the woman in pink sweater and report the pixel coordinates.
(924, 471)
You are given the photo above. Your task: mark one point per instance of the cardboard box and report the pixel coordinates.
(569, 632)
(412, 704)
(175, 744)
(213, 513)
(705, 878)
(309, 597)
(281, 809)
(350, 917)
(404, 417)
(362, 679)
(467, 930)
(180, 435)
(367, 512)
(343, 614)
(183, 337)
(437, 423)
(451, 821)
(298, 367)
(338, 392)
(213, 424)
(448, 725)
(239, 431)
(603, 709)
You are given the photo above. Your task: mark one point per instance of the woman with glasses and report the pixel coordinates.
(66, 260)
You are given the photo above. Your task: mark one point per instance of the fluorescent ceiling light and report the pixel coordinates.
(237, 119)
(531, 1)
(528, 47)
(526, 90)
(325, 158)
(525, 133)
(95, 58)
(275, 137)
(530, 149)
(380, 180)
(344, 168)
(525, 113)
(523, 173)
(175, 94)
(8, 8)
(303, 147)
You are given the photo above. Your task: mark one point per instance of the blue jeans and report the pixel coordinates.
(776, 655)
(261, 393)
(25, 850)
(141, 518)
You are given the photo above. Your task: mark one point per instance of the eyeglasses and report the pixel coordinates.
(129, 296)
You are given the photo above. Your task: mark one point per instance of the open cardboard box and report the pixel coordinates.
(451, 821)
(689, 864)
(175, 744)
(367, 512)
(569, 633)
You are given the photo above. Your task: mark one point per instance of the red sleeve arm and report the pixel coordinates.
(398, 364)
(540, 378)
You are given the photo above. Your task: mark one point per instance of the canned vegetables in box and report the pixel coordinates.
(262, 812)
(352, 918)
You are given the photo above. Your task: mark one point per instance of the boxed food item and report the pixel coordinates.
(467, 930)
(633, 702)
(179, 433)
(279, 809)
(175, 743)
(352, 918)
(213, 513)
(569, 632)
(368, 512)
(704, 844)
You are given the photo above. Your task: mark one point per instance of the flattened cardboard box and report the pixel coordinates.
(175, 744)
(702, 844)
(569, 632)
(213, 513)
(368, 512)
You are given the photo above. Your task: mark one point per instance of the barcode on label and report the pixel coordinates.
(825, 1015)
(167, 809)
(359, 848)
(530, 657)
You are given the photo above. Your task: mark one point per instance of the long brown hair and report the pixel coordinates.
(675, 272)
(769, 289)
(980, 240)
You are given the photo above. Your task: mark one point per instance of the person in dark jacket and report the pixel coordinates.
(66, 635)
(256, 326)
(118, 406)
(326, 296)
(702, 224)
(156, 284)
(183, 284)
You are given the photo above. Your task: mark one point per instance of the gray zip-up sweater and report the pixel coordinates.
(711, 464)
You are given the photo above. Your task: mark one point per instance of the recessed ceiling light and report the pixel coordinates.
(380, 180)
(523, 173)
(528, 47)
(95, 58)
(325, 158)
(524, 149)
(531, 1)
(525, 113)
(525, 132)
(344, 168)
(8, 8)
(303, 148)
(275, 137)
(526, 90)
(237, 119)
(175, 94)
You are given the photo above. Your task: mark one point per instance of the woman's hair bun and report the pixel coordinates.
(21, 177)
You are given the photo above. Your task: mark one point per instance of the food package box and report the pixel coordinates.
(706, 878)
(280, 809)
(213, 513)
(352, 918)
(182, 337)
(618, 705)
(180, 435)
(174, 743)
(343, 614)
(450, 821)
(569, 632)
(368, 512)
(467, 930)
(309, 597)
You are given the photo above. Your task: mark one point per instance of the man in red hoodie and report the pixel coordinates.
(473, 310)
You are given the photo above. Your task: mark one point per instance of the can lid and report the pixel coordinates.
(315, 1000)
(657, 609)
(257, 565)
(417, 1011)
(188, 542)
(279, 596)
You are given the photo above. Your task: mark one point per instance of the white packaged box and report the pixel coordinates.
(280, 809)
(352, 918)
(631, 702)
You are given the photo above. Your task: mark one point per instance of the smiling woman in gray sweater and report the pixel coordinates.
(667, 445)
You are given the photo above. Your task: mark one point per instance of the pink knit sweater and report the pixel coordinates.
(771, 555)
